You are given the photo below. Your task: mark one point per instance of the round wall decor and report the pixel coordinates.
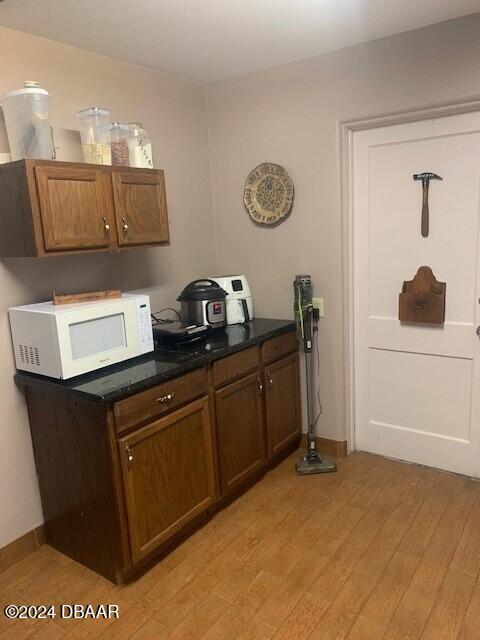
(268, 195)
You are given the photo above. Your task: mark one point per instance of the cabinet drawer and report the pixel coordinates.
(231, 367)
(278, 347)
(159, 400)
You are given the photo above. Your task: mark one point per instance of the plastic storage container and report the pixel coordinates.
(26, 118)
(139, 146)
(95, 134)
(119, 142)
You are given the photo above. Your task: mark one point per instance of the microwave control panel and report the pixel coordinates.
(145, 332)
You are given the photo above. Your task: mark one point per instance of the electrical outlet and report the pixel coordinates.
(319, 303)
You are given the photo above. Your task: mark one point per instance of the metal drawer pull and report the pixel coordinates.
(259, 386)
(166, 398)
(269, 378)
(129, 456)
(125, 225)
(106, 226)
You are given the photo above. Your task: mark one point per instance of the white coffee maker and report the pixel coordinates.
(239, 298)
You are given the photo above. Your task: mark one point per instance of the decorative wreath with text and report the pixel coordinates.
(268, 195)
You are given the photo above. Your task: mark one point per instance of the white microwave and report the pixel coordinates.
(63, 341)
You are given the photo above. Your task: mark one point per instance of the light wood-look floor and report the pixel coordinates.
(380, 550)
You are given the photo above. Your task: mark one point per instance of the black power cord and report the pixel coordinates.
(165, 320)
(319, 399)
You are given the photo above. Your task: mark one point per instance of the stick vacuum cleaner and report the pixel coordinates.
(305, 321)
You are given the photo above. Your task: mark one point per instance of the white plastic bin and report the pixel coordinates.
(26, 119)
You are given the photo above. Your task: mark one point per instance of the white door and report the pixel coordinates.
(417, 388)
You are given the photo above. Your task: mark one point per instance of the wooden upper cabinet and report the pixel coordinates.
(282, 403)
(168, 475)
(49, 207)
(140, 207)
(75, 207)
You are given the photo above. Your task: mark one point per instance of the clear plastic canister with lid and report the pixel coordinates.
(119, 143)
(95, 134)
(139, 146)
(26, 119)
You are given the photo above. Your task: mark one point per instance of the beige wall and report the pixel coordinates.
(174, 113)
(290, 115)
(287, 115)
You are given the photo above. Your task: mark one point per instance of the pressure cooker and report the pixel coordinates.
(203, 303)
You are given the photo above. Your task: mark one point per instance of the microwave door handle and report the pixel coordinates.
(245, 310)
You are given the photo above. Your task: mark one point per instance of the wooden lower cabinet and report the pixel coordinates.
(240, 431)
(282, 403)
(123, 482)
(168, 475)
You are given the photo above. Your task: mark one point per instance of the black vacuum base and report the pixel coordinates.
(312, 462)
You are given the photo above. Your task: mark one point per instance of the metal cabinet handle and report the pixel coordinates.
(125, 225)
(259, 385)
(106, 225)
(269, 377)
(129, 456)
(166, 398)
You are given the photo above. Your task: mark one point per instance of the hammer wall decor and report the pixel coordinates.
(425, 178)
(422, 299)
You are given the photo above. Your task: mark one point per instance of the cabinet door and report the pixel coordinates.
(168, 475)
(76, 208)
(282, 403)
(241, 431)
(140, 207)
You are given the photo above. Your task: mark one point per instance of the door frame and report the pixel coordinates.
(345, 131)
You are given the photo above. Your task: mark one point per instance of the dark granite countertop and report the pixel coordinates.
(137, 374)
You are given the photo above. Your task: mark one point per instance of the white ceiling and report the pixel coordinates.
(207, 40)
